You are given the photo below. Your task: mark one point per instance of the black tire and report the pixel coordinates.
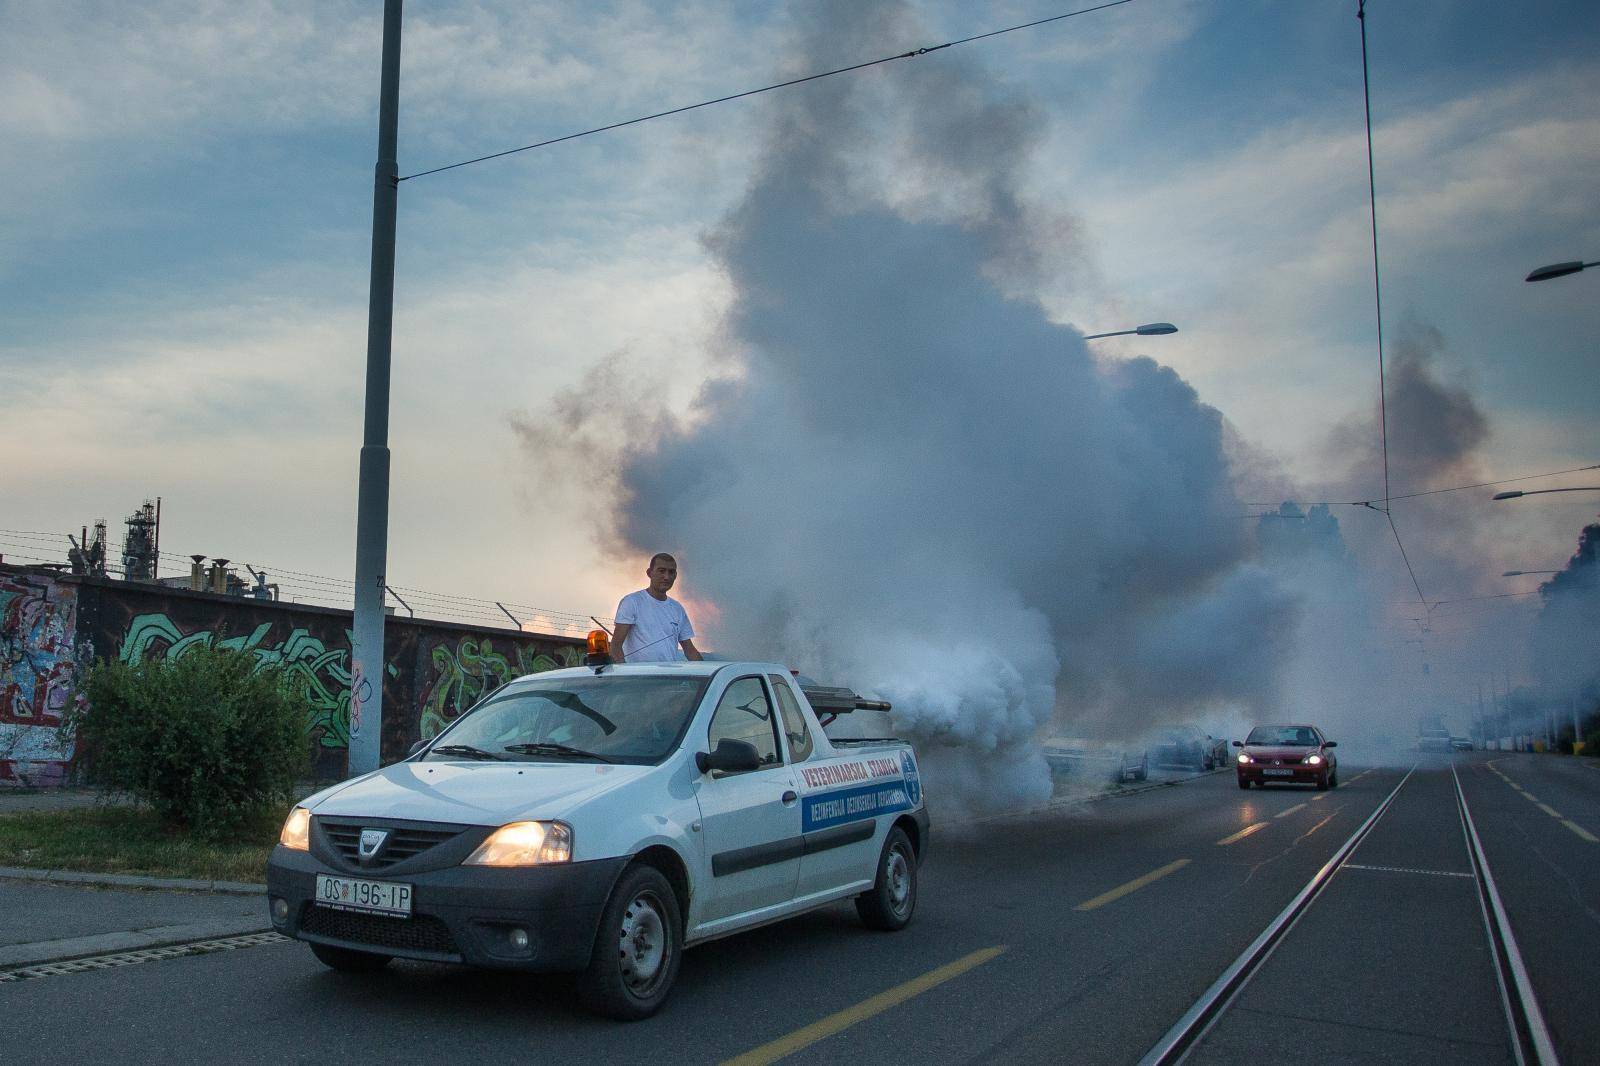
(889, 904)
(637, 948)
(1244, 784)
(347, 961)
(1333, 779)
(1322, 783)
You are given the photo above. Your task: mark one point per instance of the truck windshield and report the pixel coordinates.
(601, 719)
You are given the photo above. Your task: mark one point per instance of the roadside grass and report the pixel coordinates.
(130, 840)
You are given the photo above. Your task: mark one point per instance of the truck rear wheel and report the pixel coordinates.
(636, 949)
(892, 899)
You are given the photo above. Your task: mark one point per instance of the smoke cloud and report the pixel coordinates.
(909, 479)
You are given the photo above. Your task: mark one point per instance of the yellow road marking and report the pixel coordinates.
(1241, 834)
(1289, 811)
(1551, 811)
(1581, 831)
(785, 1046)
(1132, 886)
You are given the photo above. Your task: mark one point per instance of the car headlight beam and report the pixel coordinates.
(1313, 760)
(1244, 758)
(296, 831)
(524, 844)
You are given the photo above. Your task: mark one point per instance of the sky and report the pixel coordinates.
(184, 244)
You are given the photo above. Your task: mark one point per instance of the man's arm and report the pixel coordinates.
(690, 652)
(623, 629)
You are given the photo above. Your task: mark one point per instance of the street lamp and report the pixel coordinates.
(1557, 270)
(1149, 329)
(1515, 493)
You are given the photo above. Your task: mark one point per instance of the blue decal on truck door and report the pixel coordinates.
(853, 804)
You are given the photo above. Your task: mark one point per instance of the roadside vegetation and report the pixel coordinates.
(133, 840)
(210, 742)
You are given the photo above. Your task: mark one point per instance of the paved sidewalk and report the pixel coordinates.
(49, 921)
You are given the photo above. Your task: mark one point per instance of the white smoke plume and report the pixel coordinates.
(911, 480)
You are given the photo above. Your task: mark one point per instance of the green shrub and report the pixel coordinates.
(208, 739)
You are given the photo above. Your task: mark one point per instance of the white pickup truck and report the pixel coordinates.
(599, 820)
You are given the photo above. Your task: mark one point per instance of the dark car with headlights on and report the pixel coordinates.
(1287, 755)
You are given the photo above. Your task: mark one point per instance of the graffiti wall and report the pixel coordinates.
(38, 650)
(432, 670)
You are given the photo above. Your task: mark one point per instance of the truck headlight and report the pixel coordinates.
(524, 844)
(296, 830)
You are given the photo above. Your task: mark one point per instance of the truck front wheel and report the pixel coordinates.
(636, 949)
(890, 902)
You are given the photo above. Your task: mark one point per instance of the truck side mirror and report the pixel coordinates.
(731, 756)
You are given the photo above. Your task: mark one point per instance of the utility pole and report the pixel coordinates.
(372, 502)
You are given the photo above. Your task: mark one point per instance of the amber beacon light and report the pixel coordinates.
(599, 648)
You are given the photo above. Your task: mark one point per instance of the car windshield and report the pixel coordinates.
(623, 719)
(1289, 736)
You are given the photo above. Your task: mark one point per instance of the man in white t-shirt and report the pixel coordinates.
(652, 626)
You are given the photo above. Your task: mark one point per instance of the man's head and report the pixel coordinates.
(662, 572)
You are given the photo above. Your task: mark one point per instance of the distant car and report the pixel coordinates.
(1435, 740)
(1185, 746)
(1289, 755)
(1461, 743)
(1093, 760)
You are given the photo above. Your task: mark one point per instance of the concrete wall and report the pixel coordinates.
(50, 623)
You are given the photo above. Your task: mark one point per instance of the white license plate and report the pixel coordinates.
(1278, 773)
(373, 897)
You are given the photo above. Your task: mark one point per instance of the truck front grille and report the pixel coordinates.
(420, 932)
(404, 841)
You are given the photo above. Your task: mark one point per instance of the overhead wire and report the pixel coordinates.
(912, 54)
(1377, 297)
(1430, 492)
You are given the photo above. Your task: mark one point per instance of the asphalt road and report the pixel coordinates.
(1077, 934)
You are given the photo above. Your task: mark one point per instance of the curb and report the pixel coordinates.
(17, 956)
(170, 884)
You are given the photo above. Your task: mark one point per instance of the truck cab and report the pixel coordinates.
(600, 820)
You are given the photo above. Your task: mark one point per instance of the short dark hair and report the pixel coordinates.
(659, 556)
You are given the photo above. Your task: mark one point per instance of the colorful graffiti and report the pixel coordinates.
(471, 669)
(433, 671)
(320, 672)
(38, 661)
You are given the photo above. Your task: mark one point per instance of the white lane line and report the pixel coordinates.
(1198, 1019)
(1489, 899)
(1581, 831)
(1551, 811)
(1288, 811)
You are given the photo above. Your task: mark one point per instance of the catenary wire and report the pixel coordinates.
(1432, 492)
(914, 53)
(1377, 298)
